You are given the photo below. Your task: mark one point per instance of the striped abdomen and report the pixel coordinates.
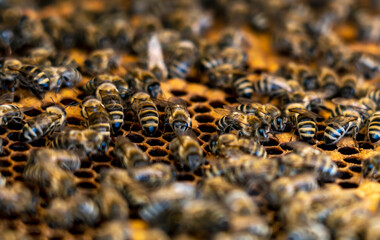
(375, 96)
(115, 109)
(252, 148)
(374, 127)
(10, 112)
(224, 124)
(148, 116)
(40, 126)
(179, 69)
(307, 127)
(334, 132)
(35, 75)
(243, 87)
(100, 122)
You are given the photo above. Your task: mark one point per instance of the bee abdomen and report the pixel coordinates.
(374, 128)
(149, 119)
(243, 87)
(179, 69)
(333, 133)
(306, 128)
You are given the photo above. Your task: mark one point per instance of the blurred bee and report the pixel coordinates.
(62, 59)
(118, 30)
(51, 120)
(329, 81)
(271, 84)
(372, 231)
(87, 140)
(225, 75)
(14, 235)
(241, 168)
(67, 160)
(9, 112)
(111, 204)
(221, 144)
(96, 116)
(147, 112)
(60, 214)
(108, 94)
(85, 210)
(367, 65)
(182, 59)
(60, 31)
(176, 114)
(156, 63)
(248, 125)
(374, 95)
(209, 55)
(284, 188)
(371, 166)
(16, 199)
(69, 76)
(253, 224)
(113, 230)
(312, 230)
(38, 56)
(9, 73)
(305, 158)
(303, 120)
(231, 37)
(123, 88)
(349, 84)
(373, 127)
(234, 56)
(203, 218)
(131, 190)
(146, 27)
(187, 151)
(142, 80)
(301, 73)
(49, 177)
(101, 61)
(153, 176)
(339, 126)
(128, 154)
(268, 113)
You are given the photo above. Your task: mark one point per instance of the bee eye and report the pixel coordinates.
(279, 120)
(370, 167)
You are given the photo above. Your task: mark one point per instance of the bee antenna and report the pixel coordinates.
(53, 100)
(72, 104)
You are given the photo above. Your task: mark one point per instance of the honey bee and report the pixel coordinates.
(329, 81)
(147, 112)
(303, 74)
(176, 114)
(118, 30)
(374, 95)
(187, 151)
(38, 56)
(131, 190)
(111, 204)
(248, 125)
(305, 158)
(284, 188)
(303, 120)
(143, 80)
(96, 116)
(87, 140)
(67, 160)
(36, 80)
(253, 224)
(268, 113)
(241, 168)
(55, 181)
(123, 88)
(9, 112)
(108, 94)
(230, 37)
(339, 126)
(367, 65)
(60, 214)
(311, 230)
(234, 56)
(203, 218)
(156, 63)
(371, 166)
(373, 130)
(16, 199)
(85, 209)
(62, 59)
(225, 75)
(60, 31)
(113, 230)
(69, 76)
(349, 85)
(128, 154)
(220, 145)
(153, 176)
(182, 59)
(271, 84)
(101, 61)
(9, 73)
(51, 120)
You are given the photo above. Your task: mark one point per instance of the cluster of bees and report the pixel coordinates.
(168, 39)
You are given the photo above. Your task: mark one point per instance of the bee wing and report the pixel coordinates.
(341, 120)
(155, 56)
(349, 103)
(305, 112)
(244, 100)
(6, 98)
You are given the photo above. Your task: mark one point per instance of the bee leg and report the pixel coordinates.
(291, 134)
(354, 134)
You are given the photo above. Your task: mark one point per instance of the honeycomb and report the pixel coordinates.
(202, 102)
